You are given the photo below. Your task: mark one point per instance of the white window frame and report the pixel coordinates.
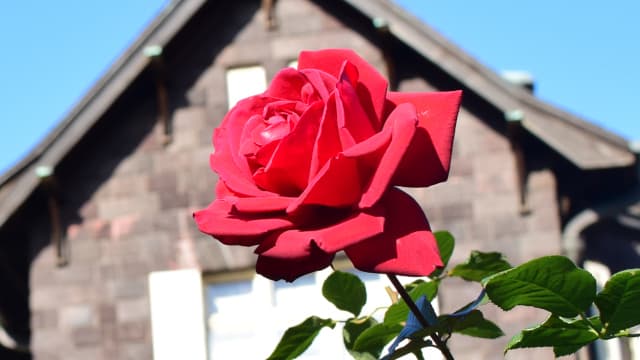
(274, 320)
(243, 82)
(177, 313)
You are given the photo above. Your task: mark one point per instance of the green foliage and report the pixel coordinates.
(619, 301)
(352, 330)
(346, 291)
(298, 338)
(446, 243)
(373, 339)
(398, 312)
(565, 337)
(480, 265)
(552, 283)
(473, 324)
(555, 284)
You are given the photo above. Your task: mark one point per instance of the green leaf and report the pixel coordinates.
(414, 347)
(565, 337)
(473, 324)
(480, 265)
(397, 313)
(376, 337)
(563, 350)
(346, 291)
(353, 328)
(552, 283)
(619, 301)
(485, 329)
(446, 243)
(298, 338)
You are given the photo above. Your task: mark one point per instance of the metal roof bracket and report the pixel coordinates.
(48, 185)
(514, 133)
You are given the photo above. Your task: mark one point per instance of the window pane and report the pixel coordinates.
(231, 319)
(258, 312)
(243, 82)
(176, 315)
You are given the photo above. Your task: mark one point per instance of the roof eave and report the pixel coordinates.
(52, 149)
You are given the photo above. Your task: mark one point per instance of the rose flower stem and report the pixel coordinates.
(414, 309)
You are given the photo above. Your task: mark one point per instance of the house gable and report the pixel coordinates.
(583, 144)
(125, 197)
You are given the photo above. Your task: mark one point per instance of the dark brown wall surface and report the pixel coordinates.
(127, 199)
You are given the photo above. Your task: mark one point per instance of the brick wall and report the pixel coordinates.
(127, 199)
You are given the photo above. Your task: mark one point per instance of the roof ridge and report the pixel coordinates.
(107, 75)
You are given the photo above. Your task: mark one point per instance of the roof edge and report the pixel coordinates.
(51, 149)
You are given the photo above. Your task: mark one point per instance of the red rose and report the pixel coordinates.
(309, 168)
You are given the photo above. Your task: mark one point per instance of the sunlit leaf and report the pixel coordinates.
(480, 265)
(565, 337)
(446, 243)
(353, 328)
(619, 301)
(298, 338)
(346, 291)
(376, 337)
(552, 283)
(473, 324)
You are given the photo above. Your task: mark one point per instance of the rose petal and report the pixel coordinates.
(290, 162)
(372, 87)
(222, 190)
(287, 84)
(330, 239)
(407, 245)
(233, 177)
(290, 269)
(229, 135)
(264, 154)
(218, 220)
(327, 142)
(428, 158)
(248, 147)
(403, 122)
(288, 255)
(323, 83)
(275, 180)
(337, 184)
(355, 120)
(285, 245)
(344, 135)
(348, 232)
(369, 152)
(255, 205)
(375, 144)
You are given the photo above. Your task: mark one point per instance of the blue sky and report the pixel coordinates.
(584, 59)
(584, 55)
